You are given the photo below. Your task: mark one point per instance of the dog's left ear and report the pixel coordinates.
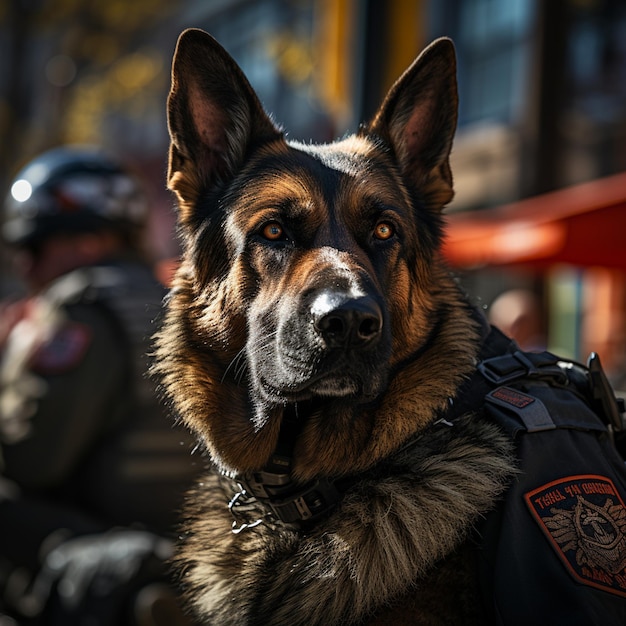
(418, 119)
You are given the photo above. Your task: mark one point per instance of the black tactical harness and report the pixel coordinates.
(503, 363)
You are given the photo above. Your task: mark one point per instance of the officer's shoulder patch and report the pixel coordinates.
(584, 518)
(63, 351)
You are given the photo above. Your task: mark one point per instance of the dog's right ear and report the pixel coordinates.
(214, 117)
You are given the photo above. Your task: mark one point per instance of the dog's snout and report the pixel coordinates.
(353, 323)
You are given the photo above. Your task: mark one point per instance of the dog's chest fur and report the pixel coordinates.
(395, 549)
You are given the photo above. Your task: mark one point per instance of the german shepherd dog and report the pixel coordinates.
(313, 340)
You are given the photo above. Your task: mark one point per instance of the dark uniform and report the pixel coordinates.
(92, 471)
(554, 550)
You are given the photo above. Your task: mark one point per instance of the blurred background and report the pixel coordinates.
(539, 160)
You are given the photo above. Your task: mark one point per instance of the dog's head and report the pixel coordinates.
(310, 275)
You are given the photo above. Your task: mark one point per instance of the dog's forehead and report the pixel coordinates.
(306, 174)
(351, 156)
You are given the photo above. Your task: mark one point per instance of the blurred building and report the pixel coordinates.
(540, 155)
(540, 162)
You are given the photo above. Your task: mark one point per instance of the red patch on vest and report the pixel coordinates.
(584, 518)
(64, 351)
(513, 397)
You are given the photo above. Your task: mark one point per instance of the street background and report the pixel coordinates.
(540, 155)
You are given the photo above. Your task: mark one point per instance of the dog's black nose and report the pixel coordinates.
(353, 323)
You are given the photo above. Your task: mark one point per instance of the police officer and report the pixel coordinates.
(92, 473)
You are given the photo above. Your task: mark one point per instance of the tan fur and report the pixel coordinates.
(240, 348)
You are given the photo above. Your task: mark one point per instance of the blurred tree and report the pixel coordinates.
(75, 71)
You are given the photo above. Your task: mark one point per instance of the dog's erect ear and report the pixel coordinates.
(418, 118)
(214, 117)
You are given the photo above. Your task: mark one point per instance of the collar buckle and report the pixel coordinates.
(288, 500)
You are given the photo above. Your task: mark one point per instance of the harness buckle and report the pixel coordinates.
(507, 368)
(313, 500)
(265, 484)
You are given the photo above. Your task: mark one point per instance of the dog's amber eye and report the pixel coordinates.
(383, 231)
(273, 231)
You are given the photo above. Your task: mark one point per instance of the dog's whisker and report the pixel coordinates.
(238, 364)
(242, 368)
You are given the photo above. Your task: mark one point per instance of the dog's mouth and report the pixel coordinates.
(340, 382)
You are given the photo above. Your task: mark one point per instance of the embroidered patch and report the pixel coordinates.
(63, 351)
(513, 397)
(584, 519)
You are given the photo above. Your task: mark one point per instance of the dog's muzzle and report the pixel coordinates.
(332, 343)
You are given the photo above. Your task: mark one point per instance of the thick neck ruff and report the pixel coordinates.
(392, 525)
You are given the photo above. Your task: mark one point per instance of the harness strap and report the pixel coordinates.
(506, 368)
(503, 363)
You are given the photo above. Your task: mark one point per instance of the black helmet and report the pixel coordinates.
(72, 189)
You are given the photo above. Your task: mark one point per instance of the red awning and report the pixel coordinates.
(582, 225)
